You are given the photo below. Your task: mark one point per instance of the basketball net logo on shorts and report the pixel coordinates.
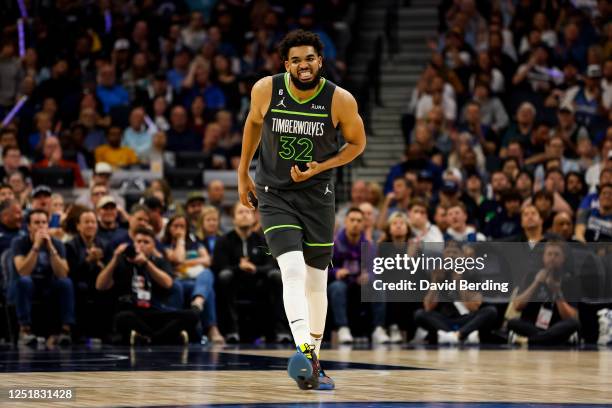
(327, 190)
(282, 103)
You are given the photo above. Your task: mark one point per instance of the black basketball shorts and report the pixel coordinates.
(299, 220)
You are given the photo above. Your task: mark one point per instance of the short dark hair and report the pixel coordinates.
(145, 231)
(137, 208)
(547, 195)
(298, 38)
(8, 149)
(34, 212)
(354, 209)
(554, 170)
(511, 195)
(604, 186)
(418, 202)
(460, 205)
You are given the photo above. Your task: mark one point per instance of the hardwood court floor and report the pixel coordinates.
(171, 376)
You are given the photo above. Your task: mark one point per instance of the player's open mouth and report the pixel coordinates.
(305, 75)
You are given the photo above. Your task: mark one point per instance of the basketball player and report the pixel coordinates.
(295, 115)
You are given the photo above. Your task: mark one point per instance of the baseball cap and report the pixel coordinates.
(103, 168)
(104, 201)
(122, 44)
(425, 175)
(41, 189)
(195, 196)
(449, 186)
(593, 71)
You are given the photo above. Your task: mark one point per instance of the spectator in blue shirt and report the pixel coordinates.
(42, 273)
(136, 136)
(180, 137)
(198, 83)
(109, 93)
(180, 66)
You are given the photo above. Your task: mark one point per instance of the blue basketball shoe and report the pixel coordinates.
(304, 368)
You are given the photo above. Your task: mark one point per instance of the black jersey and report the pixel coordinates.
(296, 132)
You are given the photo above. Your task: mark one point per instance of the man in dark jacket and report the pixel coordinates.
(244, 269)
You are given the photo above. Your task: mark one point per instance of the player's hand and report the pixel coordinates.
(246, 186)
(298, 176)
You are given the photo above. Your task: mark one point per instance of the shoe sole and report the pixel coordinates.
(300, 369)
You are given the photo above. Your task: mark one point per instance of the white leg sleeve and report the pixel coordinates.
(316, 295)
(293, 271)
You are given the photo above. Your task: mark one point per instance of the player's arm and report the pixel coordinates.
(344, 108)
(260, 101)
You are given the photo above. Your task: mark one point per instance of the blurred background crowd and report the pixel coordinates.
(122, 131)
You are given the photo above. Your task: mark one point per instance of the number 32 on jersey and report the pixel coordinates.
(298, 149)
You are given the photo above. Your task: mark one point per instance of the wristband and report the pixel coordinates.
(37, 250)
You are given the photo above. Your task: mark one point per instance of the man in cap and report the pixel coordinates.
(101, 178)
(41, 200)
(587, 98)
(567, 128)
(108, 227)
(193, 209)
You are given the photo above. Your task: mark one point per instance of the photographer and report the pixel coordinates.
(142, 281)
(454, 317)
(40, 262)
(546, 317)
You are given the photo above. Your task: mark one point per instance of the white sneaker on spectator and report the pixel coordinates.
(395, 336)
(419, 336)
(472, 338)
(514, 338)
(344, 335)
(447, 337)
(380, 336)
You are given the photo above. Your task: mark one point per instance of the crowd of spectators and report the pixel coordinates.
(507, 138)
(120, 85)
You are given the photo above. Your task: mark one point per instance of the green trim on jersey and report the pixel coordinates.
(288, 112)
(323, 244)
(281, 226)
(321, 86)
